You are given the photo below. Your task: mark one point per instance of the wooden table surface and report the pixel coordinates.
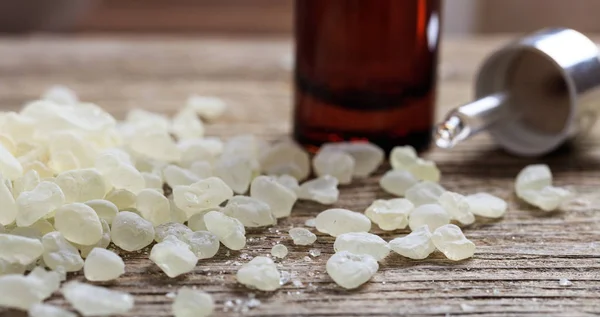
(519, 259)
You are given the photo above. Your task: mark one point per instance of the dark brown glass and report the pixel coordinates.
(365, 70)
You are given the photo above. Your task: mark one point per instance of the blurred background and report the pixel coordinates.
(462, 17)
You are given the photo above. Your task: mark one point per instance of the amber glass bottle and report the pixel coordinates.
(365, 70)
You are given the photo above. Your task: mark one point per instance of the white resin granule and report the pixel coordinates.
(43, 226)
(204, 244)
(61, 95)
(42, 169)
(91, 300)
(78, 223)
(21, 250)
(45, 310)
(77, 143)
(38, 203)
(115, 156)
(187, 125)
(207, 193)
(396, 182)
(390, 214)
(350, 270)
(175, 176)
(451, 241)
(416, 245)
(432, 215)
(245, 145)
(286, 158)
(362, 243)
(196, 222)
(32, 156)
(103, 265)
(131, 232)
(310, 222)
(260, 273)
(48, 281)
(533, 177)
(29, 232)
(214, 145)
(425, 192)
(367, 156)
(192, 303)
(177, 215)
(103, 243)
(288, 181)
(236, 172)
(486, 205)
(170, 229)
(207, 107)
(20, 292)
(251, 212)
(457, 206)
(8, 212)
(205, 150)
(322, 190)
(118, 173)
(285, 278)
(121, 198)
(12, 268)
(59, 253)
(199, 150)
(69, 151)
(548, 198)
(152, 180)
(9, 143)
(201, 169)
(153, 206)
(279, 251)
(27, 182)
(405, 158)
(338, 164)
(155, 144)
(18, 126)
(280, 198)
(230, 231)
(402, 157)
(337, 221)
(173, 256)
(43, 282)
(81, 185)
(105, 209)
(314, 252)
(302, 236)
(425, 170)
(9, 165)
(534, 185)
(564, 282)
(143, 119)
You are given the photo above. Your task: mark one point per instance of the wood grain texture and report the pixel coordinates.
(221, 16)
(519, 258)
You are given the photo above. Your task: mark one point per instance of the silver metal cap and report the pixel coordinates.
(532, 95)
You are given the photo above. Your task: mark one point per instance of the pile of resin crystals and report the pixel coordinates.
(74, 180)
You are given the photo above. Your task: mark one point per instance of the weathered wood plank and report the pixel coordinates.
(519, 258)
